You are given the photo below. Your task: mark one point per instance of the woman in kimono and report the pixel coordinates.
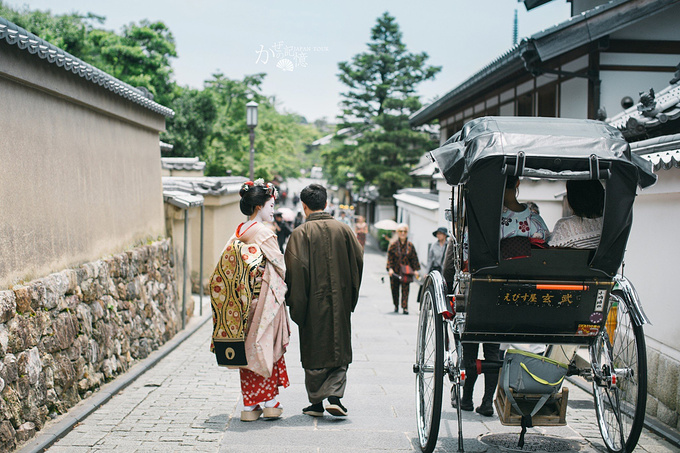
(268, 328)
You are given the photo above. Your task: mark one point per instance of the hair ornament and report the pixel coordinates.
(246, 186)
(269, 188)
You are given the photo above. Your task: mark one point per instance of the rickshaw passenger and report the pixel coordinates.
(581, 230)
(517, 219)
(520, 219)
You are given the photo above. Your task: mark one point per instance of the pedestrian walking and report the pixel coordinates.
(267, 326)
(324, 263)
(361, 230)
(435, 256)
(299, 219)
(402, 265)
(344, 219)
(283, 230)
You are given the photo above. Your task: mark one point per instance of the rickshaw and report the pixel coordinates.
(473, 304)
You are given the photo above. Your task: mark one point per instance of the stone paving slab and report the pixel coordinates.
(186, 403)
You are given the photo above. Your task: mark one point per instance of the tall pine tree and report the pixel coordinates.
(380, 98)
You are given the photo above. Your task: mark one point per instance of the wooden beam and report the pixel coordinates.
(642, 46)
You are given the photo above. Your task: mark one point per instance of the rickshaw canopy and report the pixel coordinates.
(489, 149)
(555, 145)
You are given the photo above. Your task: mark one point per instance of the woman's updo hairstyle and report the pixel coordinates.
(255, 194)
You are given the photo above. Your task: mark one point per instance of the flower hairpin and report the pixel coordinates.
(269, 188)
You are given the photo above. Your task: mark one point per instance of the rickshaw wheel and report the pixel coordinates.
(620, 407)
(429, 370)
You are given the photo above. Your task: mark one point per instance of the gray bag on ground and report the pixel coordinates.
(530, 374)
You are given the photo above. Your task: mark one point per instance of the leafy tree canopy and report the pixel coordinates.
(219, 128)
(381, 95)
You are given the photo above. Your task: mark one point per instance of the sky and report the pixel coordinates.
(298, 43)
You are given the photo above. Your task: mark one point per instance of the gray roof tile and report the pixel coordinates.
(207, 185)
(182, 163)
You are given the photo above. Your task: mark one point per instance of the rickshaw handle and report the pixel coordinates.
(631, 299)
(516, 166)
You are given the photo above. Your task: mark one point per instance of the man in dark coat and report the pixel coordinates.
(324, 264)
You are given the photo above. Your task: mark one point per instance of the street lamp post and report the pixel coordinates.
(350, 183)
(251, 122)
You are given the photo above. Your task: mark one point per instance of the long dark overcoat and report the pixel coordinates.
(324, 264)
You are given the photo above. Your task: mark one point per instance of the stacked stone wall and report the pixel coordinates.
(64, 335)
(663, 387)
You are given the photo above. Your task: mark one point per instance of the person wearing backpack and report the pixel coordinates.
(267, 327)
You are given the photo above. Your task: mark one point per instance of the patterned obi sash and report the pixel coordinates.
(234, 284)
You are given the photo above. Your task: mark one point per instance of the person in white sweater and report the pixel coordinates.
(583, 229)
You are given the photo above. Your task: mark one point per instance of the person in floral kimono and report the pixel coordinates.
(268, 329)
(520, 219)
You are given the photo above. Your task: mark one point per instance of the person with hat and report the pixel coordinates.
(435, 256)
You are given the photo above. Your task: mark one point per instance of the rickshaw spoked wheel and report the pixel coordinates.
(429, 370)
(619, 361)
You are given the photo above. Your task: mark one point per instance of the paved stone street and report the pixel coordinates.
(186, 403)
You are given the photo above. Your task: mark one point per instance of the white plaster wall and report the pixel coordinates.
(220, 218)
(651, 261)
(574, 98)
(445, 193)
(543, 193)
(80, 172)
(384, 210)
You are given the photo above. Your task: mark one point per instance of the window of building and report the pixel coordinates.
(547, 101)
(525, 104)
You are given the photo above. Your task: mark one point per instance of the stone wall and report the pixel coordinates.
(663, 388)
(63, 336)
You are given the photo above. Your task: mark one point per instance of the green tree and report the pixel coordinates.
(140, 56)
(189, 130)
(381, 95)
(211, 123)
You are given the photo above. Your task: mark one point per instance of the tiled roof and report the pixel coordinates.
(207, 185)
(579, 30)
(665, 160)
(24, 40)
(166, 147)
(181, 199)
(662, 152)
(182, 163)
(638, 122)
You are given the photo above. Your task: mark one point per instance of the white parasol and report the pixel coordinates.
(287, 214)
(386, 224)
